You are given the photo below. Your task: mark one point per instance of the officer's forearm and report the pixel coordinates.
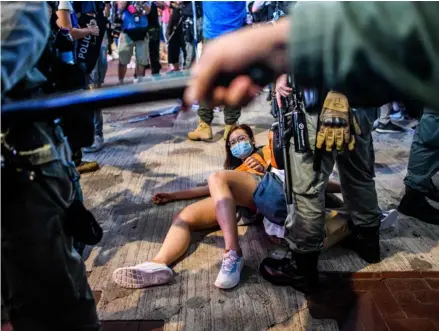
(366, 48)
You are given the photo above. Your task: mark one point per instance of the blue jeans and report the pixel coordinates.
(98, 77)
(99, 123)
(100, 69)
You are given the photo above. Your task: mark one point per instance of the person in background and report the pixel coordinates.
(166, 15)
(175, 38)
(188, 29)
(97, 78)
(388, 124)
(423, 165)
(219, 18)
(67, 18)
(154, 37)
(133, 37)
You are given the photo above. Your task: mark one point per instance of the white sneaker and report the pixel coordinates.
(230, 272)
(97, 145)
(388, 218)
(142, 275)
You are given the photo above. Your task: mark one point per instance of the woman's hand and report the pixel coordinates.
(254, 164)
(282, 89)
(162, 198)
(93, 30)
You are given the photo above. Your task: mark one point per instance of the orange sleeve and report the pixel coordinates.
(266, 151)
(245, 168)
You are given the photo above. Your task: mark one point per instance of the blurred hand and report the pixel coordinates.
(162, 198)
(233, 54)
(254, 164)
(93, 30)
(282, 89)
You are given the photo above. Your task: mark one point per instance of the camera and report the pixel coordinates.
(137, 8)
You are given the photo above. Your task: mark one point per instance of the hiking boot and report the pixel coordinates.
(202, 132)
(300, 272)
(389, 128)
(227, 129)
(230, 272)
(414, 204)
(365, 241)
(97, 145)
(86, 166)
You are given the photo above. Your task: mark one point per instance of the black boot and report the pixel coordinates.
(414, 204)
(300, 272)
(434, 194)
(365, 241)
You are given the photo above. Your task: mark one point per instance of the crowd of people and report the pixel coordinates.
(52, 47)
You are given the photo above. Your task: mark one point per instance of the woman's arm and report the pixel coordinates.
(333, 187)
(196, 192)
(192, 193)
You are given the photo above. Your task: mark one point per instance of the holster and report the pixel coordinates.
(27, 170)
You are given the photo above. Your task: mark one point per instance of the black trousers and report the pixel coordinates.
(79, 128)
(176, 43)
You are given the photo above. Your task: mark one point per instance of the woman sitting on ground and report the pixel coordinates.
(229, 192)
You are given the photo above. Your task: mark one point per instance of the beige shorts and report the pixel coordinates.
(127, 46)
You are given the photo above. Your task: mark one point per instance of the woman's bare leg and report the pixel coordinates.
(333, 187)
(228, 189)
(197, 216)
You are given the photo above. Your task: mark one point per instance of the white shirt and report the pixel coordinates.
(65, 5)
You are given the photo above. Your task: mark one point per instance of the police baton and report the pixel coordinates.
(148, 90)
(156, 88)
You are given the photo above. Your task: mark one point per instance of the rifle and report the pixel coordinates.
(291, 124)
(285, 133)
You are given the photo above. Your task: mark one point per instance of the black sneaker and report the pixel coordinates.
(365, 241)
(433, 194)
(415, 204)
(389, 128)
(300, 272)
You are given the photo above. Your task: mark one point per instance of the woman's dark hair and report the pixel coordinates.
(232, 162)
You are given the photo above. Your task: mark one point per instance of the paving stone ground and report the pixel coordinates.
(363, 301)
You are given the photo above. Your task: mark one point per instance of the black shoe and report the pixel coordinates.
(434, 194)
(365, 241)
(300, 272)
(389, 128)
(414, 204)
(333, 202)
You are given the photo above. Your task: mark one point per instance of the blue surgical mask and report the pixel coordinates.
(242, 150)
